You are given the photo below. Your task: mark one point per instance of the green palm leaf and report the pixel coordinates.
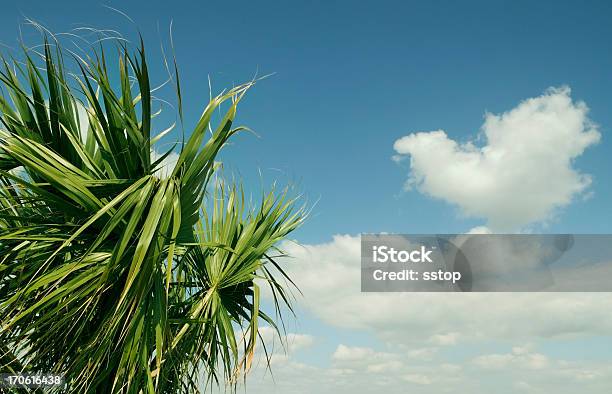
(111, 275)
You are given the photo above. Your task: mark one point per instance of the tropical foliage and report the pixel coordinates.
(116, 275)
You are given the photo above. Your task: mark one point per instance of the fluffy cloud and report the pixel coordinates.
(290, 342)
(346, 353)
(358, 370)
(329, 276)
(425, 335)
(522, 173)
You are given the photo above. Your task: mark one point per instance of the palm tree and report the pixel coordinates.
(113, 274)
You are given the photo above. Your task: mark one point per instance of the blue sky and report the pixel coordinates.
(351, 79)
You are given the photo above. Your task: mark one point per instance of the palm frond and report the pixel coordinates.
(116, 277)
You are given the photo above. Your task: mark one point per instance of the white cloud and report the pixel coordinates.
(479, 230)
(386, 367)
(425, 353)
(291, 342)
(522, 173)
(299, 341)
(358, 370)
(329, 276)
(520, 357)
(445, 339)
(416, 378)
(371, 361)
(394, 366)
(346, 353)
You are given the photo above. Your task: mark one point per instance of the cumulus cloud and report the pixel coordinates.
(329, 276)
(521, 173)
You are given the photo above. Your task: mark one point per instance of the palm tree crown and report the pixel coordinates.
(116, 276)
